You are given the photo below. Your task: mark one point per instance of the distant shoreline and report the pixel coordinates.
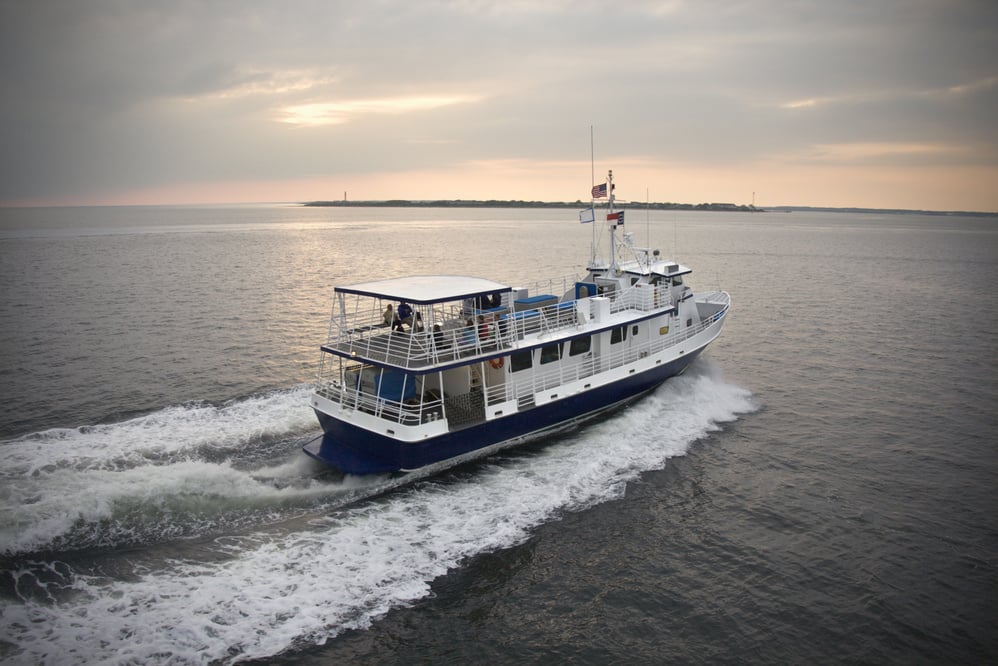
(493, 203)
(633, 205)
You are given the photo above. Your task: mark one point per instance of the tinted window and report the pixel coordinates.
(618, 334)
(579, 346)
(550, 353)
(520, 361)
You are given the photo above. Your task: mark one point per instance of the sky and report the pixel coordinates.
(865, 103)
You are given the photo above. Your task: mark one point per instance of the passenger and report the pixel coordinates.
(468, 335)
(404, 316)
(483, 328)
(439, 341)
(389, 316)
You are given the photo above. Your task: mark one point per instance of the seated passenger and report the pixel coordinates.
(389, 316)
(403, 316)
(439, 340)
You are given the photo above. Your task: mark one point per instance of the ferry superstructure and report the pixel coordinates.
(436, 369)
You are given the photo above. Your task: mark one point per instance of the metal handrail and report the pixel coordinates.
(367, 335)
(538, 380)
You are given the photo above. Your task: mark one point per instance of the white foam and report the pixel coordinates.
(356, 565)
(167, 433)
(104, 508)
(102, 485)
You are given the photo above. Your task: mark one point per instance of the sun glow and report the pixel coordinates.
(336, 113)
(801, 104)
(858, 152)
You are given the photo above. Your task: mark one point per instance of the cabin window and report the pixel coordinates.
(634, 281)
(618, 334)
(580, 346)
(520, 361)
(689, 322)
(550, 353)
(677, 280)
(634, 330)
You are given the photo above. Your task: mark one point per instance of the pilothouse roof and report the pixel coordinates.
(426, 289)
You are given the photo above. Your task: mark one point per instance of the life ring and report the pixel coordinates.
(497, 363)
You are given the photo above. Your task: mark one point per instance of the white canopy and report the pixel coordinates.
(426, 289)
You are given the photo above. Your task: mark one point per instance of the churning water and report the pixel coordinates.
(819, 486)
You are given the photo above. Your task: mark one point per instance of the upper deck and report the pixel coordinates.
(456, 320)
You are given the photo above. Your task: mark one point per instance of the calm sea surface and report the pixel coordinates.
(819, 487)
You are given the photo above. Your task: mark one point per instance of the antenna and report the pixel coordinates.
(592, 158)
(592, 200)
(675, 235)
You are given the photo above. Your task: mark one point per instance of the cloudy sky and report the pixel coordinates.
(876, 103)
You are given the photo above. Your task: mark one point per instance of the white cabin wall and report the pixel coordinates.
(689, 315)
(457, 381)
(601, 343)
(496, 376)
(644, 334)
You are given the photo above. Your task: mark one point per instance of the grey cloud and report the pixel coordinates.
(105, 95)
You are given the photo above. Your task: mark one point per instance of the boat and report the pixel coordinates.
(427, 371)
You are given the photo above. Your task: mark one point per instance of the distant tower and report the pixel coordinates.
(345, 196)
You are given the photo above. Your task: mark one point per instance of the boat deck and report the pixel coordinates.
(414, 351)
(455, 340)
(480, 333)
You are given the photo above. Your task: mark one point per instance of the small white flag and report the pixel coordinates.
(587, 215)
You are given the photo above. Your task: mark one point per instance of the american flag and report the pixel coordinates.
(599, 191)
(617, 217)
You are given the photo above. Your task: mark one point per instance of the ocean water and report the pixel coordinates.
(819, 487)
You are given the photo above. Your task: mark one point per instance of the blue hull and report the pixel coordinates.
(358, 451)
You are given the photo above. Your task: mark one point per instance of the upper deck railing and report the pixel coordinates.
(465, 333)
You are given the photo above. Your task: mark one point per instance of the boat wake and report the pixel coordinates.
(183, 471)
(267, 591)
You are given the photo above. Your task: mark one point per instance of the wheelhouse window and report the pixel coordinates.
(550, 353)
(580, 346)
(618, 334)
(520, 361)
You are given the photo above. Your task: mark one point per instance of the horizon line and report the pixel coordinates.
(516, 203)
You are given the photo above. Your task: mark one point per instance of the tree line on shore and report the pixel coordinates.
(494, 203)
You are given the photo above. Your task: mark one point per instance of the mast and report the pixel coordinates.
(592, 200)
(609, 210)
